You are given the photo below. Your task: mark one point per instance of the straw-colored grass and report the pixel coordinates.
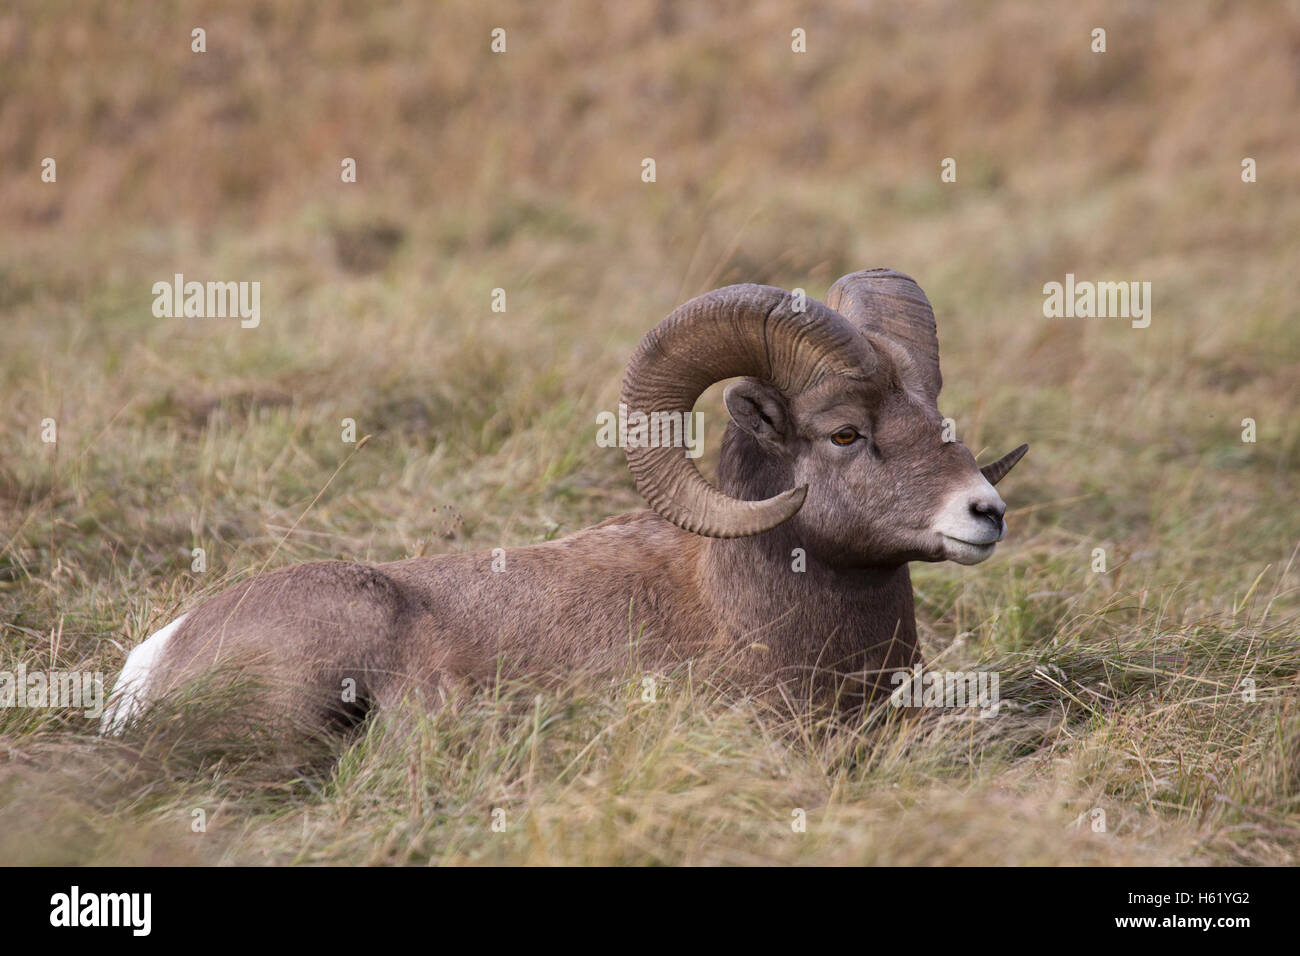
(1123, 691)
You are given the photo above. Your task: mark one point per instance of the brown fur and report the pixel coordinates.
(635, 588)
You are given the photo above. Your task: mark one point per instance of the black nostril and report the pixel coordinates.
(982, 509)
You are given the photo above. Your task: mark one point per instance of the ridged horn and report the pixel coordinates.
(997, 470)
(886, 302)
(740, 330)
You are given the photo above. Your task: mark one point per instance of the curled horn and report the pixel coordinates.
(886, 302)
(996, 471)
(740, 330)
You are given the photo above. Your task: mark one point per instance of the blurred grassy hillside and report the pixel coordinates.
(522, 171)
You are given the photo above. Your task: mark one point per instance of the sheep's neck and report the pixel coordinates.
(789, 613)
(796, 613)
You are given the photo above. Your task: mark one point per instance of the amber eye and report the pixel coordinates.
(845, 436)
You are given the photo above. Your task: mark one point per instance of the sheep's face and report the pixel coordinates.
(884, 486)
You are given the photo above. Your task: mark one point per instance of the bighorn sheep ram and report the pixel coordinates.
(835, 447)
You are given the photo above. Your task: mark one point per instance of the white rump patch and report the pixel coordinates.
(127, 699)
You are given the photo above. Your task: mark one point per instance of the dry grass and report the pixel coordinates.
(522, 172)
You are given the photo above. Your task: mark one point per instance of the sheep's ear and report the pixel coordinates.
(759, 409)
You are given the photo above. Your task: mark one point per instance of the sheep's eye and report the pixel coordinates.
(846, 436)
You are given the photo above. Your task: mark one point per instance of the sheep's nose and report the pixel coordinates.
(992, 508)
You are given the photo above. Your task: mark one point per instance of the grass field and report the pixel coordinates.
(1123, 690)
